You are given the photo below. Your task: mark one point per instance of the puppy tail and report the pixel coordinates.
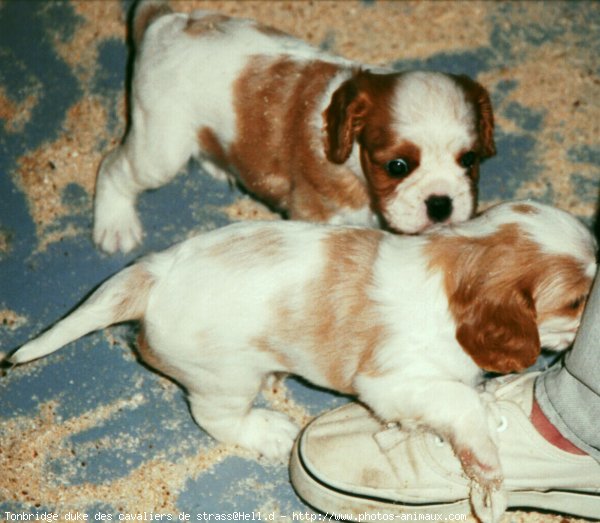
(121, 298)
(146, 12)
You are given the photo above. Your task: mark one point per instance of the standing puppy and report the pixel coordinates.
(314, 136)
(405, 323)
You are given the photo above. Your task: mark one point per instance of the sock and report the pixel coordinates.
(550, 432)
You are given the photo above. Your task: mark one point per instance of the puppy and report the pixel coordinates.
(405, 323)
(314, 136)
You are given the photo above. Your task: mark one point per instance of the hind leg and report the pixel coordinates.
(224, 410)
(157, 147)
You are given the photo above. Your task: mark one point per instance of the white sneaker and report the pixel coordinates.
(348, 465)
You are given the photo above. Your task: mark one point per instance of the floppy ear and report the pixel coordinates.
(486, 123)
(501, 335)
(344, 118)
(485, 115)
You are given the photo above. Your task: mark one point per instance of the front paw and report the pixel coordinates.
(269, 433)
(488, 501)
(488, 497)
(116, 224)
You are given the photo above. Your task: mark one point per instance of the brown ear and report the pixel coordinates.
(344, 118)
(486, 123)
(501, 336)
(480, 98)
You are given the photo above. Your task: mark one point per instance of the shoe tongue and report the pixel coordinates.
(517, 388)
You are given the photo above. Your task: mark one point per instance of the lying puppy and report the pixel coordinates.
(405, 323)
(314, 136)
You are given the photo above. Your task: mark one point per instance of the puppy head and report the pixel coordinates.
(517, 279)
(421, 137)
(566, 268)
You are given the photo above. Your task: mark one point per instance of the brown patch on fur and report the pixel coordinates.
(210, 144)
(206, 24)
(144, 16)
(278, 154)
(339, 324)
(132, 305)
(345, 118)
(270, 31)
(499, 287)
(360, 110)
(263, 344)
(523, 208)
(479, 98)
(265, 244)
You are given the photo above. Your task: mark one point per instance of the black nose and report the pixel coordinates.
(439, 208)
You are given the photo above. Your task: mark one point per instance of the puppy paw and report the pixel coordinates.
(269, 433)
(116, 224)
(480, 460)
(488, 498)
(489, 501)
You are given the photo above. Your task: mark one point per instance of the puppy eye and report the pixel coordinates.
(398, 168)
(575, 304)
(468, 159)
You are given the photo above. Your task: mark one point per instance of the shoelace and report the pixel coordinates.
(393, 434)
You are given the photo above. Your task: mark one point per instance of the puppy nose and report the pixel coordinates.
(439, 208)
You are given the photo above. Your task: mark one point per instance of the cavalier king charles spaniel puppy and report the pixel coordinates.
(314, 136)
(406, 324)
